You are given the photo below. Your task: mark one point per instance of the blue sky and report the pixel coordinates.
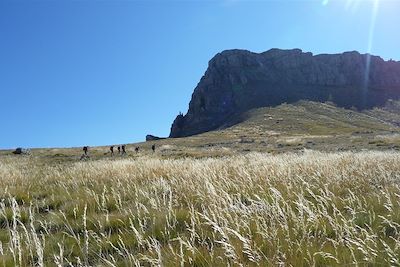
(76, 73)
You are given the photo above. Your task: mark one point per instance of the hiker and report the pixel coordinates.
(153, 147)
(119, 150)
(112, 150)
(123, 150)
(85, 153)
(137, 149)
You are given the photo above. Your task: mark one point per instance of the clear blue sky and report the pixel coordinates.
(76, 73)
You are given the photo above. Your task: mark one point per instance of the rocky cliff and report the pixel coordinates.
(239, 80)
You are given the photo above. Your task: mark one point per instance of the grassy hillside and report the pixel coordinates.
(285, 128)
(389, 113)
(257, 193)
(313, 209)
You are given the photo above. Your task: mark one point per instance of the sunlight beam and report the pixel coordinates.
(371, 33)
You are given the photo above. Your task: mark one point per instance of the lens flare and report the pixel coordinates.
(371, 33)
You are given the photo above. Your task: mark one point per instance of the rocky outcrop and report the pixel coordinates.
(239, 80)
(150, 137)
(21, 151)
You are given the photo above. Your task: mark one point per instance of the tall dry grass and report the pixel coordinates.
(313, 209)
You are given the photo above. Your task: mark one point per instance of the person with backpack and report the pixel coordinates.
(85, 153)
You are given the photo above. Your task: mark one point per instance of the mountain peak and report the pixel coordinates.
(238, 80)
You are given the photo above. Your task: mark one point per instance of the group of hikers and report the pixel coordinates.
(121, 150)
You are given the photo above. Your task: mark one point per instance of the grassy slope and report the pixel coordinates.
(314, 209)
(304, 125)
(300, 209)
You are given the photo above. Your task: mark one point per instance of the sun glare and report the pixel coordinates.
(353, 6)
(374, 15)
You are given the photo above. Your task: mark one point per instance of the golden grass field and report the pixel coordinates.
(256, 209)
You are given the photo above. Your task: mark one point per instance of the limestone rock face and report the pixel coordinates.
(239, 80)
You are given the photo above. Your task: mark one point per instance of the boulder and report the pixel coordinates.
(150, 137)
(21, 151)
